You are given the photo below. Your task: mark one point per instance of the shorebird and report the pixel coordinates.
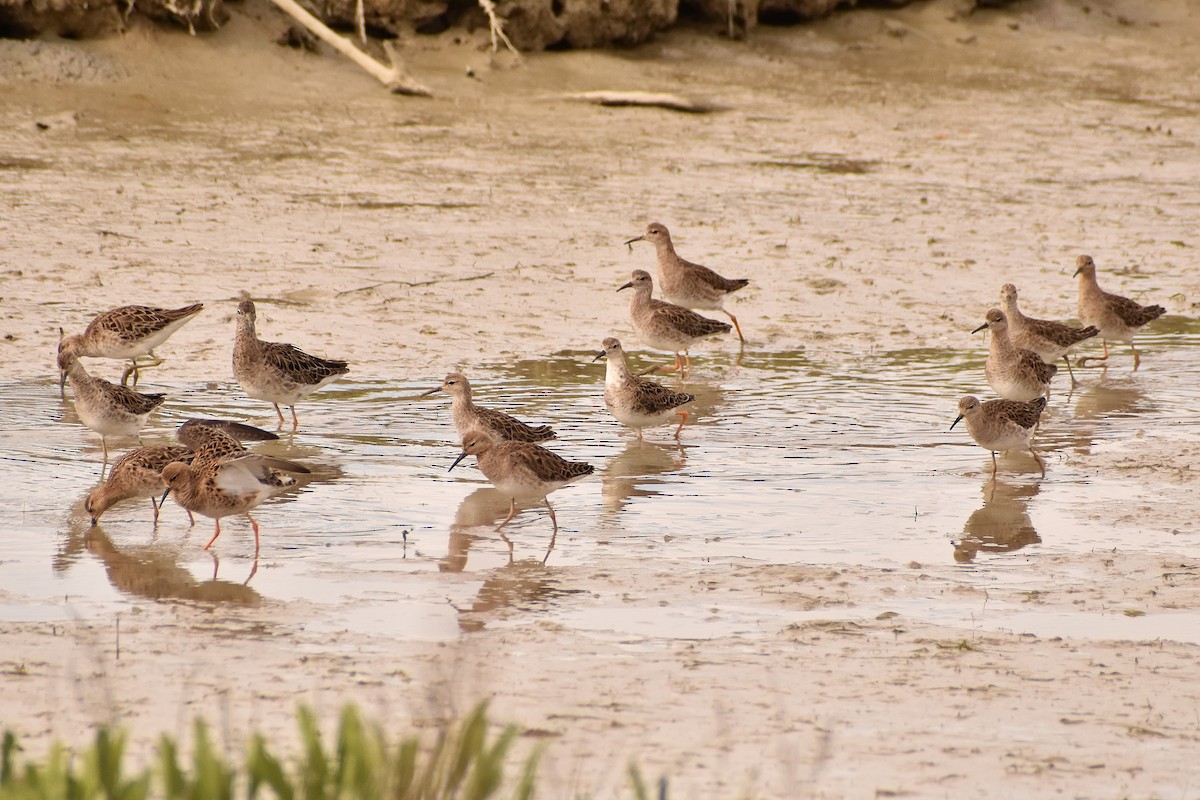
(138, 473)
(687, 284)
(521, 469)
(636, 402)
(215, 485)
(128, 332)
(277, 372)
(1000, 425)
(665, 326)
(468, 416)
(135, 475)
(106, 408)
(1050, 340)
(1015, 374)
(1118, 318)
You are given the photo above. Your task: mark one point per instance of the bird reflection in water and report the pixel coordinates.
(632, 473)
(482, 508)
(152, 570)
(1002, 525)
(1100, 402)
(521, 584)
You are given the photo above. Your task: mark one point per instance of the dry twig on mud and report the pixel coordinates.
(411, 284)
(395, 78)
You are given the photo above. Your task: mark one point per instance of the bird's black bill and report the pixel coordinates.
(956, 420)
(461, 456)
(981, 327)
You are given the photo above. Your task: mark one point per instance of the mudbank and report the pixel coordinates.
(529, 24)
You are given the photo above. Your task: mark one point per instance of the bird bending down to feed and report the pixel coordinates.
(128, 332)
(138, 473)
(106, 408)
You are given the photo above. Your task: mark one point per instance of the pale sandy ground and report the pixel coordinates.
(1050, 132)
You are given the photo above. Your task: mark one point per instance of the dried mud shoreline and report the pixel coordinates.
(878, 176)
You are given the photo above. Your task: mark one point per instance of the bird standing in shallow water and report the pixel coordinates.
(1000, 425)
(138, 473)
(521, 469)
(636, 402)
(665, 326)
(217, 485)
(277, 372)
(468, 416)
(1014, 373)
(687, 284)
(128, 332)
(1118, 318)
(1050, 340)
(106, 408)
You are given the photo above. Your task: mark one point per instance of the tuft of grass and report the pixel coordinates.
(463, 763)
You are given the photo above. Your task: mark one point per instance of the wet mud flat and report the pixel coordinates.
(821, 592)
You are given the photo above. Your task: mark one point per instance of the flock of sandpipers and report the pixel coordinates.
(209, 471)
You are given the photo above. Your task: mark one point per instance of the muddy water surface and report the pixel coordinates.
(788, 461)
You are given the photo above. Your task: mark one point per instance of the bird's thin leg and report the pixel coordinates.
(214, 536)
(994, 465)
(295, 419)
(736, 327)
(1070, 372)
(1038, 459)
(254, 524)
(512, 511)
(278, 427)
(553, 519)
(1137, 357)
(683, 418)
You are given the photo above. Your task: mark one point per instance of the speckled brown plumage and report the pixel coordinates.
(106, 408)
(217, 485)
(1014, 373)
(685, 283)
(1000, 425)
(276, 372)
(1117, 317)
(665, 326)
(468, 416)
(128, 332)
(521, 469)
(636, 402)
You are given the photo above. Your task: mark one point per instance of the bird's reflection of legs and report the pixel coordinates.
(217, 566)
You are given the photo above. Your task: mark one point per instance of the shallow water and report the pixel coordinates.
(787, 461)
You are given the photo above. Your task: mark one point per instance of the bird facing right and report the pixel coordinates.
(1118, 318)
(1000, 425)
